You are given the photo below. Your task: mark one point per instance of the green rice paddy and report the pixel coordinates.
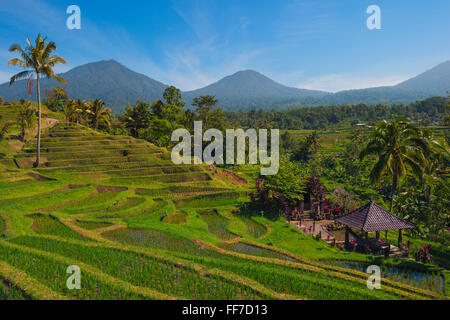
(140, 227)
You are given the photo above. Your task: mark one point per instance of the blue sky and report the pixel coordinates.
(188, 43)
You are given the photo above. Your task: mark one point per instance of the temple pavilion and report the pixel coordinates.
(373, 218)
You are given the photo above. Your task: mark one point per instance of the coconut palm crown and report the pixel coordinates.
(398, 146)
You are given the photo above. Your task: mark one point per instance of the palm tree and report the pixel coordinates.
(37, 60)
(4, 129)
(80, 110)
(98, 113)
(69, 110)
(397, 144)
(25, 118)
(435, 165)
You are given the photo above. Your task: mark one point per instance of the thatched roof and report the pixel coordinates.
(372, 217)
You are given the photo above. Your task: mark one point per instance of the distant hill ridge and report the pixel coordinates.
(117, 86)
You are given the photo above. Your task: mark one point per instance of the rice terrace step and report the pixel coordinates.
(111, 190)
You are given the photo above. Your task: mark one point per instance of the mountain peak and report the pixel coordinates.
(103, 63)
(435, 81)
(246, 89)
(246, 71)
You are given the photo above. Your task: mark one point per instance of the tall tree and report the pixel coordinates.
(98, 113)
(172, 109)
(204, 106)
(435, 164)
(173, 97)
(398, 145)
(137, 117)
(56, 99)
(80, 113)
(38, 60)
(69, 110)
(307, 148)
(188, 120)
(25, 118)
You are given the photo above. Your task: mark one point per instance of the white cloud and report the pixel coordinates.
(339, 82)
(36, 12)
(187, 72)
(195, 64)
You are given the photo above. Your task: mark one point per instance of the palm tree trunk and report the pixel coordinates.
(38, 147)
(394, 189)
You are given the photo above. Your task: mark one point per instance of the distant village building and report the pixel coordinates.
(50, 122)
(362, 125)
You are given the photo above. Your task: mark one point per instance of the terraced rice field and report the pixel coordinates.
(155, 239)
(430, 281)
(50, 225)
(140, 227)
(253, 250)
(175, 218)
(9, 291)
(2, 226)
(255, 229)
(217, 224)
(91, 225)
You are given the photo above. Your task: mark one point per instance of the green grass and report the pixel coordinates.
(255, 229)
(9, 291)
(92, 225)
(302, 284)
(53, 274)
(144, 271)
(50, 225)
(161, 219)
(253, 250)
(210, 200)
(175, 218)
(217, 224)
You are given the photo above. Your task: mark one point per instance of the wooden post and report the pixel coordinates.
(387, 251)
(347, 236)
(385, 235)
(367, 235)
(377, 235)
(400, 238)
(314, 226)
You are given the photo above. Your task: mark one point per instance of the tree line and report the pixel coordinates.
(426, 112)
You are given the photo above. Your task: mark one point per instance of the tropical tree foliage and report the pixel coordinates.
(36, 59)
(26, 117)
(307, 148)
(315, 118)
(285, 189)
(398, 146)
(98, 113)
(137, 117)
(4, 129)
(56, 99)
